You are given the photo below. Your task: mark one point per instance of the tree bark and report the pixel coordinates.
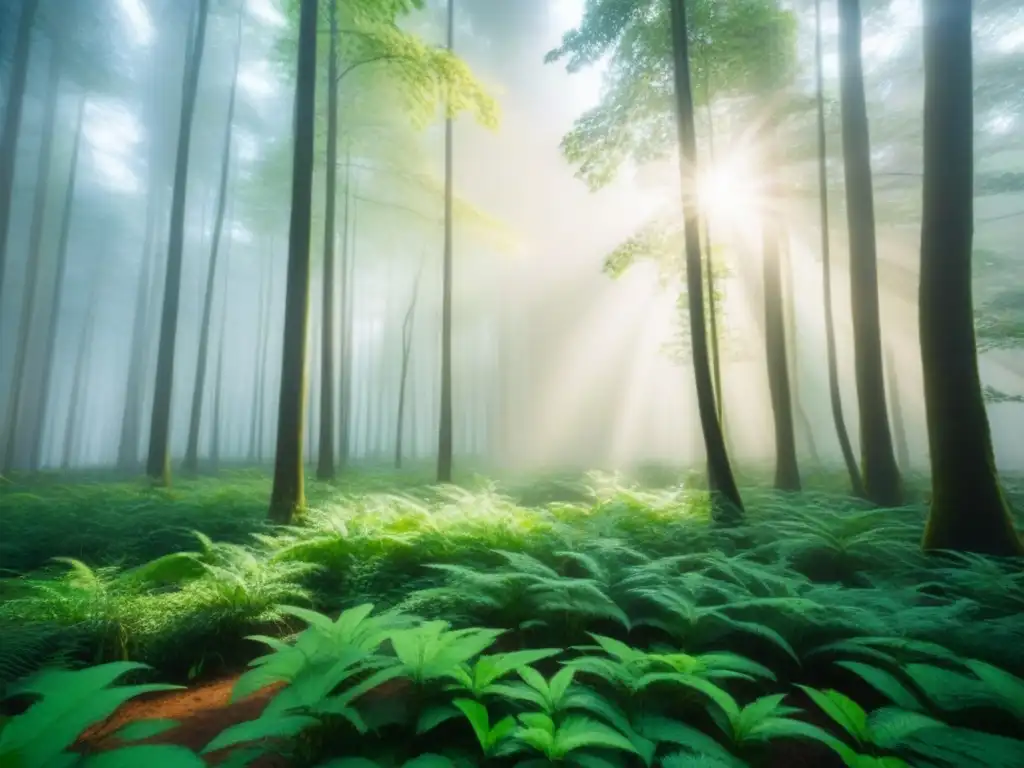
(12, 124)
(968, 510)
(444, 430)
(729, 506)
(899, 427)
(53, 324)
(346, 312)
(287, 495)
(407, 336)
(835, 396)
(787, 472)
(191, 462)
(158, 464)
(880, 473)
(325, 454)
(15, 408)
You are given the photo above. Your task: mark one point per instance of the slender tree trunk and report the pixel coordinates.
(881, 475)
(407, 336)
(158, 464)
(793, 352)
(257, 377)
(261, 408)
(899, 429)
(128, 445)
(968, 510)
(714, 443)
(347, 315)
(325, 458)
(12, 124)
(77, 399)
(288, 494)
(218, 379)
(15, 405)
(835, 396)
(191, 462)
(53, 325)
(787, 472)
(444, 431)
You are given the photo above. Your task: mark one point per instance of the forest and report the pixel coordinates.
(454, 383)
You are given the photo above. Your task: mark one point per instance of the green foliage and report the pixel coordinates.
(737, 47)
(67, 703)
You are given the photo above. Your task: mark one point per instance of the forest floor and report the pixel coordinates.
(814, 589)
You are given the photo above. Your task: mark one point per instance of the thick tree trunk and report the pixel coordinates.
(832, 364)
(444, 430)
(158, 464)
(15, 405)
(881, 475)
(191, 462)
(325, 457)
(288, 494)
(12, 124)
(718, 458)
(50, 352)
(968, 510)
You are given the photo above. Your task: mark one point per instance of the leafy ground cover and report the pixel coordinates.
(565, 621)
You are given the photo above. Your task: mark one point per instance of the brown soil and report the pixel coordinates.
(202, 713)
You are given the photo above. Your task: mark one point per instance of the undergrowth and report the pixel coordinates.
(818, 619)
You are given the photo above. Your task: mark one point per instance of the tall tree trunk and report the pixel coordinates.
(191, 463)
(881, 475)
(158, 463)
(793, 352)
(12, 124)
(53, 324)
(218, 377)
(718, 458)
(407, 336)
(835, 396)
(325, 457)
(128, 445)
(787, 472)
(444, 430)
(347, 314)
(257, 377)
(968, 510)
(899, 427)
(288, 495)
(77, 399)
(15, 406)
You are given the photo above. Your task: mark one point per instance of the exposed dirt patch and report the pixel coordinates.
(202, 713)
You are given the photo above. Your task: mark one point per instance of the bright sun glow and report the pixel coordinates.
(728, 191)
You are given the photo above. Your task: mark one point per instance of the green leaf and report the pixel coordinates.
(884, 683)
(846, 713)
(275, 727)
(476, 714)
(145, 729)
(152, 755)
(890, 727)
(431, 717)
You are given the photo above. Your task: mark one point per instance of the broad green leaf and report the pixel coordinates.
(145, 729)
(262, 728)
(151, 755)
